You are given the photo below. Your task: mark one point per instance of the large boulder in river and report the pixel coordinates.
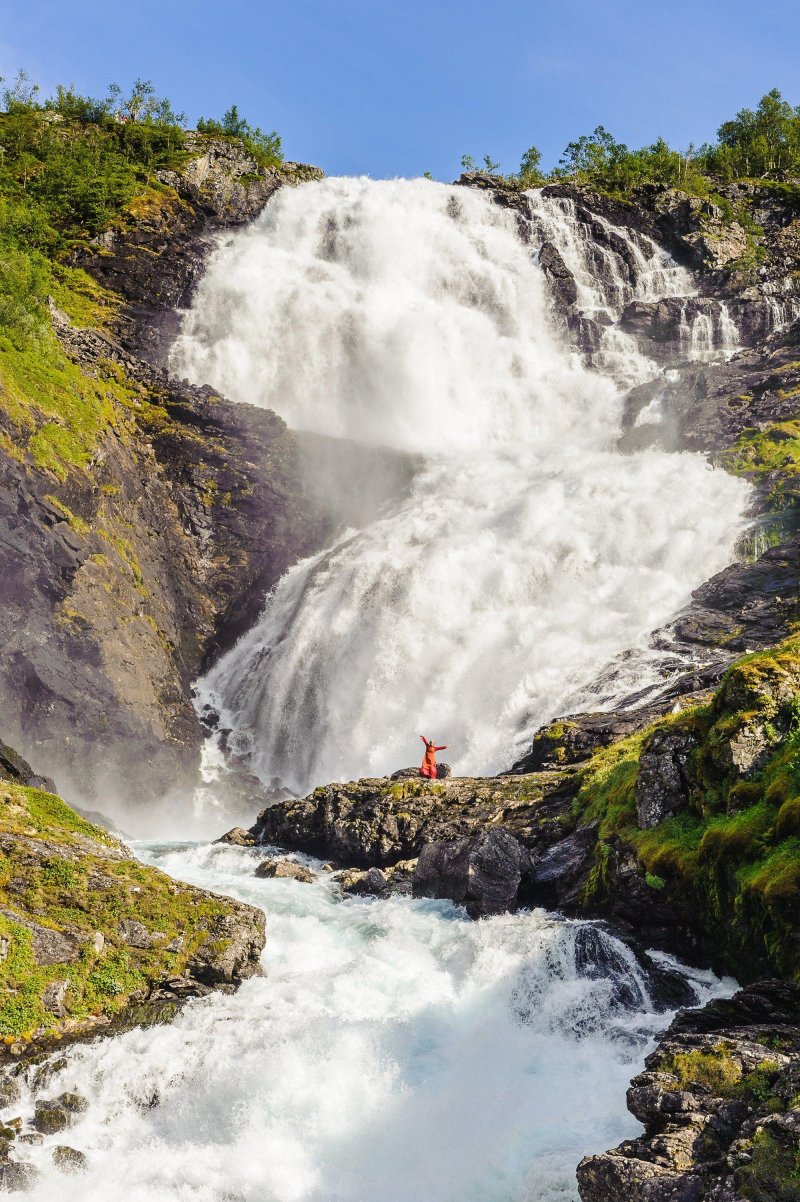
(284, 870)
(482, 873)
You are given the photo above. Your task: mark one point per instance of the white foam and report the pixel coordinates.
(394, 1050)
(529, 552)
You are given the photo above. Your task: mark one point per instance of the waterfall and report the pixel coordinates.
(610, 267)
(709, 334)
(528, 552)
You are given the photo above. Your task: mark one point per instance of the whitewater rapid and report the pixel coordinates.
(528, 552)
(394, 1051)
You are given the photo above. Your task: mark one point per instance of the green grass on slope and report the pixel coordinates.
(730, 861)
(62, 873)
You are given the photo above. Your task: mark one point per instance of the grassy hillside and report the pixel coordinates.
(727, 860)
(86, 931)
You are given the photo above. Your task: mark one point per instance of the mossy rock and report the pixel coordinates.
(86, 931)
(728, 864)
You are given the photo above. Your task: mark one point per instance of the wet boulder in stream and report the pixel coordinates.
(284, 870)
(482, 873)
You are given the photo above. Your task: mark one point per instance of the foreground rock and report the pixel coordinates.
(678, 827)
(718, 1099)
(90, 938)
(481, 873)
(376, 822)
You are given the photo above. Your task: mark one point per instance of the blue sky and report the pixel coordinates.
(397, 87)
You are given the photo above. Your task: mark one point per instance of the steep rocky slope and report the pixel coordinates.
(141, 521)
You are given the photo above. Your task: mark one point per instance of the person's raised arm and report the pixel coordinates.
(443, 748)
(424, 740)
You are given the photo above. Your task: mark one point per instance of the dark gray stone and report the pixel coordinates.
(482, 873)
(662, 786)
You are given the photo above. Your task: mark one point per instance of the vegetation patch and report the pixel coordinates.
(769, 456)
(773, 1174)
(729, 860)
(64, 878)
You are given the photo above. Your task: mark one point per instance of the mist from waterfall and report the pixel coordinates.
(528, 552)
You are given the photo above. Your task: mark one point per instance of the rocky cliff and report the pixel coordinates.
(719, 1104)
(141, 521)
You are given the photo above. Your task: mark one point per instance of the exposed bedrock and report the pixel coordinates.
(482, 872)
(743, 246)
(92, 940)
(679, 826)
(718, 1101)
(154, 261)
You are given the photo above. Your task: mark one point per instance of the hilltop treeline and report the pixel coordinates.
(68, 166)
(759, 143)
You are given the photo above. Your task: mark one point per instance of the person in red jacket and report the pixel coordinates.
(429, 760)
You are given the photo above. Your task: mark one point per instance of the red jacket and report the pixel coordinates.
(429, 761)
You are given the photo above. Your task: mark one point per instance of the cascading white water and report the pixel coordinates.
(709, 335)
(606, 280)
(528, 553)
(393, 1052)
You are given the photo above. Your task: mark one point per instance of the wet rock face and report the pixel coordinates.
(482, 873)
(14, 768)
(181, 529)
(557, 875)
(662, 785)
(561, 280)
(716, 1099)
(154, 262)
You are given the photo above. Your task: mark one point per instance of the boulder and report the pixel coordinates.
(359, 882)
(136, 934)
(407, 774)
(442, 772)
(237, 836)
(17, 1177)
(482, 872)
(662, 784)
(10, 1092)
(69, 1160)
(284, 870)
(54, 998)
(50, 1117)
